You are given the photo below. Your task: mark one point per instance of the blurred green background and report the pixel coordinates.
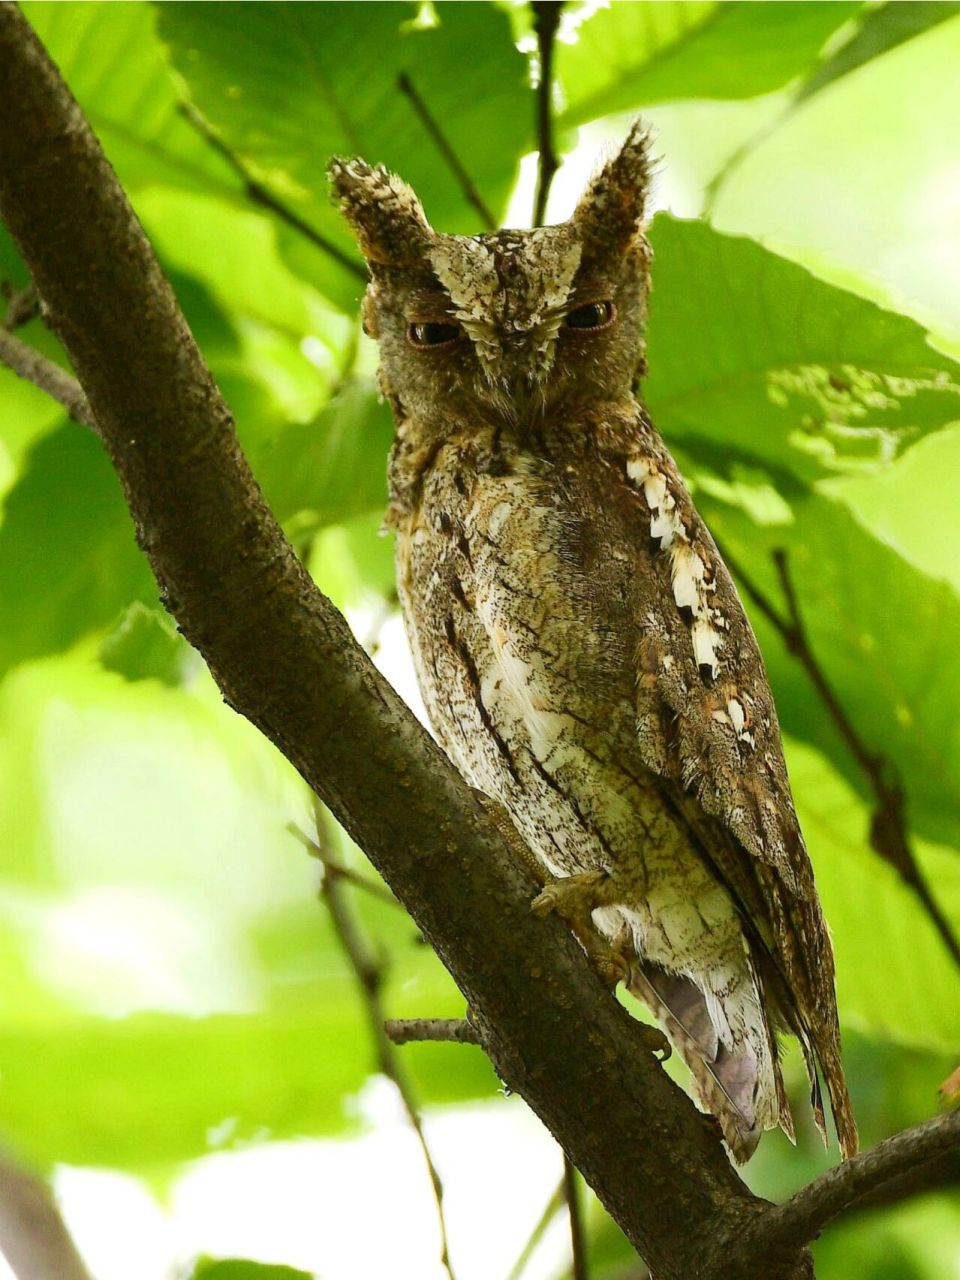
(170, 985)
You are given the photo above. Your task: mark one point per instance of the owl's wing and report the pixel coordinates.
(708, 726)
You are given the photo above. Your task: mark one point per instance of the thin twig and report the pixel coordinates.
(23, 305)
(546, 20)
(334, 868)
(453, 161)
(550, 1211)
(438, 1030)
(33, 1236)
(27, 363)
(369, 971)
(888, 827)
(578, 1239)
(902, 1162)
(257, 193)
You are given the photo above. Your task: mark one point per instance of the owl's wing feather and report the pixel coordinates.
(708, 726)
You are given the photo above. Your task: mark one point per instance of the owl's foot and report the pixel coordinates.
(574, 898)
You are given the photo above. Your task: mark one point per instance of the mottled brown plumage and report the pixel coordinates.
(581, 648)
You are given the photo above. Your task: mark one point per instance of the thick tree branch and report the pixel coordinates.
(285, 658)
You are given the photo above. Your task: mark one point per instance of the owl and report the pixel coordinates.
(581, 649)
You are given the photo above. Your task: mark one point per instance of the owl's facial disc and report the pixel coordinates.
(511, 293)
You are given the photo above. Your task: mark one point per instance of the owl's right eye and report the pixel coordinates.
(432, 335)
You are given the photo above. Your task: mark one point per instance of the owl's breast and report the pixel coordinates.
(518, 590)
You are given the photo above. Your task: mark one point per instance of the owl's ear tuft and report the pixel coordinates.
(384, 212)
(610, 213)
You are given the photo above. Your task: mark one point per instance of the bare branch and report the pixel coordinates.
(370, 973)
(888, 829)
(27, 363)
(453, 161)
(23, 305)
(260, 195)
(902, 1161)
(334, 868)
(546, 20)
(550, 1211)
(33, 1237)
(439, 1030)
(578, 1240)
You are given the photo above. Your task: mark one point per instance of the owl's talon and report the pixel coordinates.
(573, 898)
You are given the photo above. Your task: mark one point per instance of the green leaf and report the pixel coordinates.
(632, 55)
(334, 467)
(879, 31)
(883, 633)
(242, 1269)
(144, 645)
(911, 996)
(286, 90)
(752, 357)
(68, 559)
(115, 66)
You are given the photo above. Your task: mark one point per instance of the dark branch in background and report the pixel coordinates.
(546, 20)
(33, 1237)
(285, 659)
(336, 869)
(578, 1240)
(550, 1211)
(452, 160)
(888, 826)
(27, 363)
(258, 194)
(370, 974)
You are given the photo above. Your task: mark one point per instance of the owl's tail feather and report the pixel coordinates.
(824, 1047)
(725, 1081)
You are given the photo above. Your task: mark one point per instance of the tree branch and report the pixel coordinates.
(33, 1236)
(438, 1030)
(546, 20)
(902, 1162)
(27, 363)
(888, 829)
(370, 973)
(452, 160)
(285, 659)
(260, 195)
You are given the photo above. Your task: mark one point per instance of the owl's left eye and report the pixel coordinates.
(595, 315)
(432, 335)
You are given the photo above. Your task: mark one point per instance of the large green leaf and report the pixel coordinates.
(286, 89)
(115, 66)
(242, 1269)
(753, 357)
(68, 560)
(632, 55)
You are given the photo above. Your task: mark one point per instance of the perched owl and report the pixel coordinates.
(581, 648)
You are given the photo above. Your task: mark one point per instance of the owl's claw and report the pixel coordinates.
(573, 898)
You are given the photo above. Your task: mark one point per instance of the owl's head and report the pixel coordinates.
(511, 321)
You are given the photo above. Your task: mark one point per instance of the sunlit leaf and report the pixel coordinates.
(753, 358)
(144, 645)
(283, 86)
(242, 1269)
(632, 55)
